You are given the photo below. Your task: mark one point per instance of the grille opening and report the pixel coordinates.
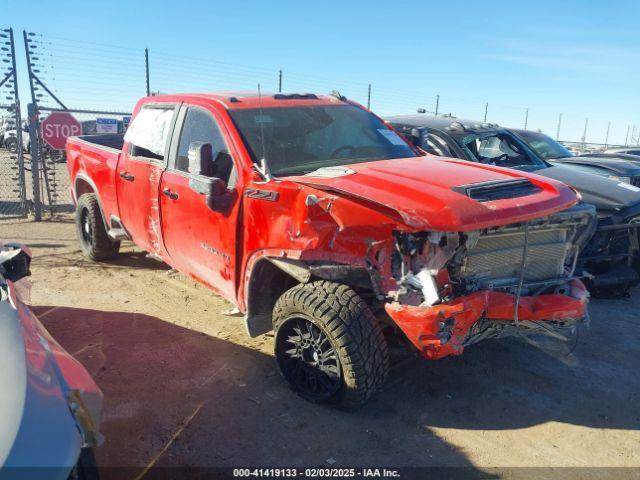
(496, 259)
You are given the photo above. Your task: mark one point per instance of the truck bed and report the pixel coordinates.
(92, 160)
(109, 140)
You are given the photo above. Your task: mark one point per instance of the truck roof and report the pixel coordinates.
(251, 99)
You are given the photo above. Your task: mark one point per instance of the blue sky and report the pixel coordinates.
(578, 58)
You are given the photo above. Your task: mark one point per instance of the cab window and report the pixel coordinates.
(147, 135)
(200, 126)
(502, 150)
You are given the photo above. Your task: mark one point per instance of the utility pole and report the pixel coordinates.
(558, 129)
(146, 64)
(526, 118)
(486, 108)
(280, 81)
(437, 104)
(369, 97)
(584, 134)
(606, 140)
(626, 138)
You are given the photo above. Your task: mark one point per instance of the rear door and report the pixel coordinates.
(139, 171)
(200, 241)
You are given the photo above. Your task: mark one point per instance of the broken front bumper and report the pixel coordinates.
(443, 330)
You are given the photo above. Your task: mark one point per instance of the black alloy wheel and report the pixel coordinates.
(307, 359)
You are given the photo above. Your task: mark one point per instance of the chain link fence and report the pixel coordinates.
(48, 67)
(13, 200)
(54, 192)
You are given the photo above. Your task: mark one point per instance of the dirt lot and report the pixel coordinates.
(183, 384)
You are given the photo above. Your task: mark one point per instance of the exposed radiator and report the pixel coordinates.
(496, 259)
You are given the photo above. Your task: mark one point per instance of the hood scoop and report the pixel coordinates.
(498, 190)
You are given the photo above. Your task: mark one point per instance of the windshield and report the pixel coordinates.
(500, 148)
(299, 140)
(546, 147)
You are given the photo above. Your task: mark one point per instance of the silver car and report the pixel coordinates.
(50, 407)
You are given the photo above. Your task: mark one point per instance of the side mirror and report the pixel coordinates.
(219, 199)
(200, 158)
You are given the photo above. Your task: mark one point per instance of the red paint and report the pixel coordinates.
(137, 186)
(422, 324)
(352, 222)
(212, 235)
(59, 126)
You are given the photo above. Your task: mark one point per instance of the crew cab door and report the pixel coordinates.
(138, 174)
(198, 228)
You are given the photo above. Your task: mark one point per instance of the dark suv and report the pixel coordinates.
(555, 153)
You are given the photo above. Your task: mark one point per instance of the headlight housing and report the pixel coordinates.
(620, 179)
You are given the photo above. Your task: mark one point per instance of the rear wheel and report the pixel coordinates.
(12, 145)
(57, 156)
(328, 345)
(92, 234)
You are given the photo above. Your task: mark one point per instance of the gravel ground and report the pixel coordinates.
(183, 384)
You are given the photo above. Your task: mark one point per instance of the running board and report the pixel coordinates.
(117, 231)
(117, 234)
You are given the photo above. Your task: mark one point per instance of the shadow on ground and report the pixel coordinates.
(132, 260)
(176, 397)
(137, 260)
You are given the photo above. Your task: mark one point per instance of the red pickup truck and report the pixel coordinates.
(321, 223)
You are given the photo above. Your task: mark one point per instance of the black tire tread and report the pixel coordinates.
(358, 337)
(102, 247)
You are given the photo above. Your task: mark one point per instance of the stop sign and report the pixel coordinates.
(57, 127)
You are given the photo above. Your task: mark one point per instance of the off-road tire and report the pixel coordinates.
(96, 244)
(352, 330)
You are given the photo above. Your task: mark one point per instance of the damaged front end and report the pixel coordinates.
(458, 288)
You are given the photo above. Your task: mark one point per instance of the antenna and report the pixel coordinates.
(263, 169)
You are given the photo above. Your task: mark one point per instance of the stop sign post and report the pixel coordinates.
(57, 127)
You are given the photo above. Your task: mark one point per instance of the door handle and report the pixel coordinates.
(127, 176)
(170, 194)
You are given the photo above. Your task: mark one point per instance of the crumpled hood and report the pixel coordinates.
(421, 192)
(605, 194)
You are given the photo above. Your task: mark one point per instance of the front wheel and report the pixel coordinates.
(92, 234)
(328, 345)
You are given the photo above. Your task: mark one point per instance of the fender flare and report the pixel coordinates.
(282, 273)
